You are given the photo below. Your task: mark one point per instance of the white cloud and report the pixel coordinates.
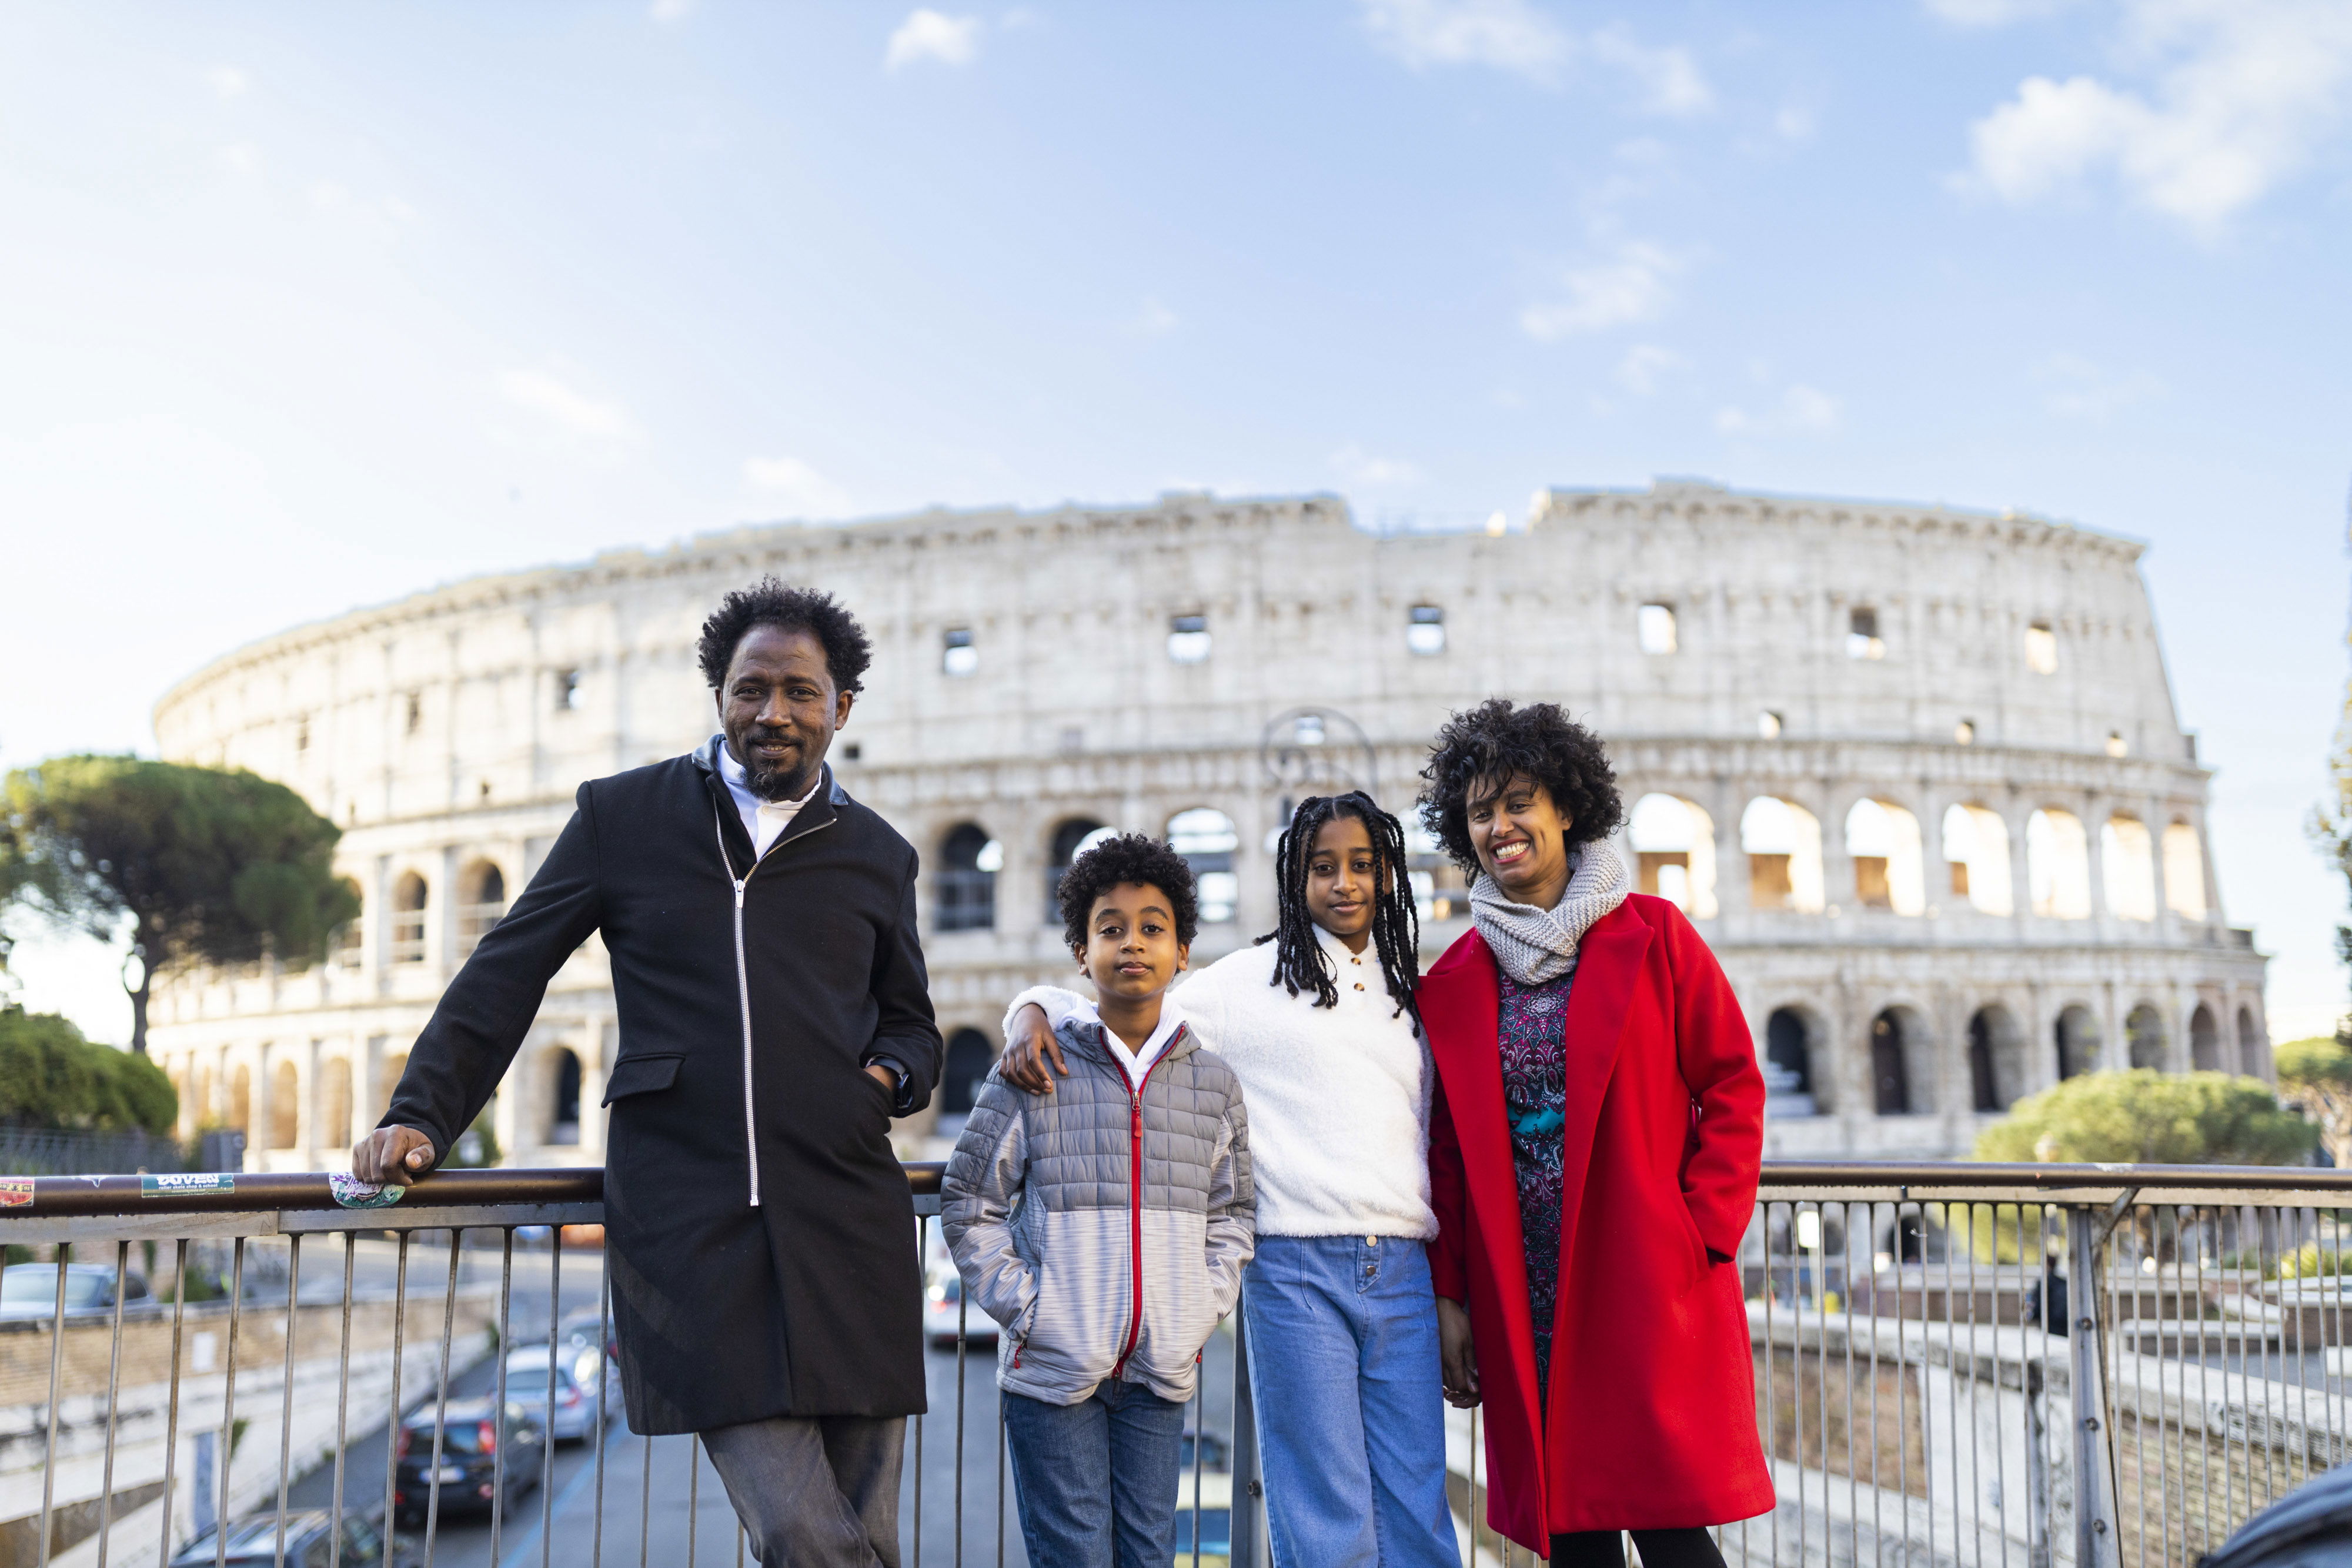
(1513, 36)
(1800, 411)
(928, 35)
(1628, 288)
(2075, 388)
(229, 81)
(797, 486)
(1644, 366)
(1360, 467)
(2241, 91)
(570, 410)
(1991, 13)
(1153, 321)
(1794, 123)
(670, 11)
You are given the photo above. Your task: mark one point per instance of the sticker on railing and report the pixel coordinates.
(352, 1192)
(173, 1184)
(16, 1192)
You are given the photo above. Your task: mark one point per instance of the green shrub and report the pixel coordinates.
(50, 1076)
(2145, 1116)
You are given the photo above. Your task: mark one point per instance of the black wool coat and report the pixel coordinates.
(761, 1233)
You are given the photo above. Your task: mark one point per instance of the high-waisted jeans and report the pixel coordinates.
(1343, 1370)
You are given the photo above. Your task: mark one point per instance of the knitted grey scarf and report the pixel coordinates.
(1538, 944)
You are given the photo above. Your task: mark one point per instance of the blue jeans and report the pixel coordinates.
(1352, 1423)
(1097, 1479)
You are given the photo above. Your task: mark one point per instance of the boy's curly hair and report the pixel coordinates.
(768, 603)
(1130, 857)
(1496, 739)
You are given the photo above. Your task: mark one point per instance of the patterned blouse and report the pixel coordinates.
(1534, 1046)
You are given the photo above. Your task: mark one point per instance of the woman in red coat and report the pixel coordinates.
(1593, 1156)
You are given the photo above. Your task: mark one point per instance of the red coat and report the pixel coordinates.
(1650, 1422)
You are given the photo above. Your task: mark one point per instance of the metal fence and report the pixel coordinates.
(1955, 1366)
(47, 1151)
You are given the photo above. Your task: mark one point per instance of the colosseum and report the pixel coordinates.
(1915, 771)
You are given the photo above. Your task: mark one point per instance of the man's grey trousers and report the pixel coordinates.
(815, 1491)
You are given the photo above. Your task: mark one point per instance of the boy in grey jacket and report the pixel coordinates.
(1104, 1224)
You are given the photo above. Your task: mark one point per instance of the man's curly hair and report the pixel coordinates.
(1130, 857)
(768, 603)
(1495, 740)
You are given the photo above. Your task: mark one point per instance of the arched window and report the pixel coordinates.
(481, 902)
(1975, 856)
(1996, 1059)
(2076, 1036)
(967, 1059)
(238, 1114)
(334, 1105)
(1071, 840)
(388, 1076)
(1897, 1052)
(350, 936)
(1204, 836)
(1782, 841)
(2144, 1032)
(199, 1112)
(2184, 872)
(2250, 1042)
(1884, 840)
(2127, 867)
(285, 1106)
(564, 1098)
(2058, 865)
(2205, 1042)
(965, 886)
(1788, 1065)
(1674, 850)
(408, 899)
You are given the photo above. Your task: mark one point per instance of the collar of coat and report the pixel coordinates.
(821, 812)
(1087, 1038)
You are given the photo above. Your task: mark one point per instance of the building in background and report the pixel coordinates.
(1915, 772)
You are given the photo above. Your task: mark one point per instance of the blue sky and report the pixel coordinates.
(308, 307)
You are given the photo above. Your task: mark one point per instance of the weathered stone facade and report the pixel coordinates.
(1915, 773)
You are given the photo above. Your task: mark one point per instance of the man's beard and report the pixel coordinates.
(769, 783)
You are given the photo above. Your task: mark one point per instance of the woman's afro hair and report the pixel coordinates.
(1130, 857)
(1495, 740)
(769, 602)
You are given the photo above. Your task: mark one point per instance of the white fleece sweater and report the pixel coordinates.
(1338, 1097)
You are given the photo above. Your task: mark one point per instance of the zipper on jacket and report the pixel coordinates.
(1135, 1193)
(743, 985)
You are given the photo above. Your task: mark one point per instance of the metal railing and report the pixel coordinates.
(1956, 1365)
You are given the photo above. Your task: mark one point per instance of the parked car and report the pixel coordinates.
(30, 1290)
(1216, 1521)
(310, 1543)
(580, 1402)
(578, 1327)
(1216, 1454)
(472, 1437)
(942, 1301)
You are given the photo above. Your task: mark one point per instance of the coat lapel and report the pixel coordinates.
(1462, 1004)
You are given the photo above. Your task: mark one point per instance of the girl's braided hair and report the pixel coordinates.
(1299, 961)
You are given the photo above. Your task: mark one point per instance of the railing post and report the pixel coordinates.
(2096, 1543)
(1248, 1489)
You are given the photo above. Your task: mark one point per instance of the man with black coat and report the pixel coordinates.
(774, 1014)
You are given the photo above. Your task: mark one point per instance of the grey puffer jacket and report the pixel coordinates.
(1104, 1226)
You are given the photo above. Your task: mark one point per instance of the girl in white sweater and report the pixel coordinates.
(1318, 1021)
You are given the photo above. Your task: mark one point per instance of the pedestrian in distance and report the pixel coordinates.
(1594, 1149)
(1317, 1020)
(1105, 1226)
(774, 1014)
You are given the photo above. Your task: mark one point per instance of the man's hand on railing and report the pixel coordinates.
(394, 1155)
(1458, 1357)
(1025, 1054)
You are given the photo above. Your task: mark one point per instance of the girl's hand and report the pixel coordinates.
(1458, 1357)
(1027, 1053)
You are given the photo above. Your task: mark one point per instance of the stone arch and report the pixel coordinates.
(2127, 868)
(1073, 836)
(1883, 839)
(964, 887)
(2075, 1036)
(1975, 859)
(334, 1104)
(2251, 1043)
(285, 1106)
(239, 1110)
(351, 937)
(481, 902)
(2058, 864)
(1996, 1059)
(2144, 1032)
(1782, 841)
(966, 1063)
(2205, 1042)
(1902, 1063)
(388, 1076)
(1673, 842)
(1207, 838)
(562, 1066)
(1795, 1084)
(409, 897)
(2184, 871)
